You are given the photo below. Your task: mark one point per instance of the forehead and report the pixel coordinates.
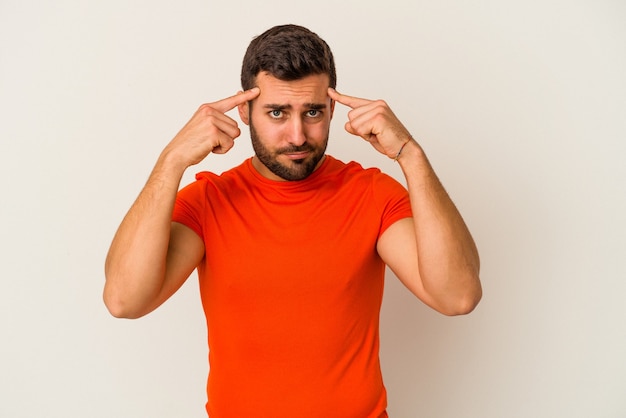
(310, 89)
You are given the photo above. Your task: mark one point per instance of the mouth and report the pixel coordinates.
(299, 155)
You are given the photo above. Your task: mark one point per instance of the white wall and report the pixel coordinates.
(521, 106)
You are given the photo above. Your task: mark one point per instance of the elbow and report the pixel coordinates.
(118, 310)
(465, 303)
(460, 299)
(122, 295)
(120, 313)
(119, 307)
(464, 306)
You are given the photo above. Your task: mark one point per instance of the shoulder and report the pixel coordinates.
(207, 180)
(354, 172)
(335, 168)
(242, 170)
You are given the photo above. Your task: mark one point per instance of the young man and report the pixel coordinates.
(291, 245)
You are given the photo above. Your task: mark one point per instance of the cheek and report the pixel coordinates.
(318, 130)
(259, 123)
(267, 130)
(269, 134)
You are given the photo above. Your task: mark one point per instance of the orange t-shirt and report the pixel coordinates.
(292, 286)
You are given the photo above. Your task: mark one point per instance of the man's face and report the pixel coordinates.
(289, 125)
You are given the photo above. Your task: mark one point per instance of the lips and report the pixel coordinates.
(297, 153)
(300, 155)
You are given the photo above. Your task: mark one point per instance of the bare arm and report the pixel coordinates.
(433, 253)
(447, 273)
(151, 257)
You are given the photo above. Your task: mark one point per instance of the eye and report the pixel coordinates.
(313, 113)
(276, 113)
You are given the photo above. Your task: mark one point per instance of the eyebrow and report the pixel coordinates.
(314, 106)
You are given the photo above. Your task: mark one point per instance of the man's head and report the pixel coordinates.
(290, 119)
(287, 52)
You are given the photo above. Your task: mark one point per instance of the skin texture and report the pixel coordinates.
(289, 125)
(433, 253)
(150, 256)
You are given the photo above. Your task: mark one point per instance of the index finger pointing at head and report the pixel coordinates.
(231, 102)
(349, 101)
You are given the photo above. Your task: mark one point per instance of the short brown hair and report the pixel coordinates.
(287, 52)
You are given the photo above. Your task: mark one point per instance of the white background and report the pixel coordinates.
(521, 106)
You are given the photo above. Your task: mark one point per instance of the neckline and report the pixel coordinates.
(293, 184)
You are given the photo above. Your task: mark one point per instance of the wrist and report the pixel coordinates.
(408, 148)
(413, 159)
(401, 148)
(170, 162)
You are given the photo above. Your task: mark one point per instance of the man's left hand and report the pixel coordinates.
(374, 121)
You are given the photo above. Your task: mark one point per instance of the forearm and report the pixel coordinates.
(447, 256)
(148, 259)
(136, 262)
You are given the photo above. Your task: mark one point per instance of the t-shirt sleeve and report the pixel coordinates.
(189, 206)
(395, 200)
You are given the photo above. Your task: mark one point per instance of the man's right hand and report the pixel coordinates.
(151, 257)
(209, 130)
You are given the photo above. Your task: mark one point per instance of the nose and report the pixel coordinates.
(296, 134)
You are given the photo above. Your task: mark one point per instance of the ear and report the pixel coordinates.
(244, 112)
(332, 108)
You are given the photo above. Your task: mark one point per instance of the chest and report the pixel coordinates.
(322, 245)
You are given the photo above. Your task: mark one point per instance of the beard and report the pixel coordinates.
(295, 169)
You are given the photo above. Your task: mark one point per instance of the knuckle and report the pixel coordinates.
(381, 106)
(208, 110)
(205, 107)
